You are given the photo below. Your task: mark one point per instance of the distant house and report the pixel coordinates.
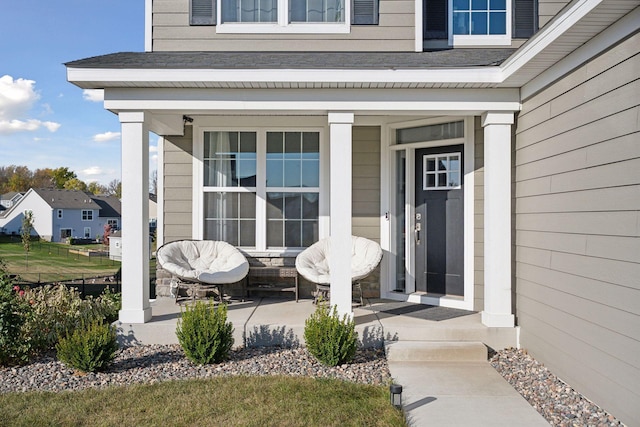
(9, 199)
(115, 246)
(60, 214)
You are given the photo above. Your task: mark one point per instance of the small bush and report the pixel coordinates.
(90, 348)
(333, 341)
(14, 347)
(107, 305)
(58, 310)
(204, 333)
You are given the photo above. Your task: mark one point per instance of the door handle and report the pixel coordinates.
(417, 230)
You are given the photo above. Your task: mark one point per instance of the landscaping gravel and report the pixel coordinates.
(558, 403)
(154, 363)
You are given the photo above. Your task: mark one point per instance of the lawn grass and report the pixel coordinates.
(52, 258)
(227, 401)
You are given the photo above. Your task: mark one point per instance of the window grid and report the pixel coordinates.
(479, 17)
(87, 215)
(290, 189)
(441, 171)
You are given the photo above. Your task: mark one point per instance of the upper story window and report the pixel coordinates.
(59, 213)
(479, 22)
(283, 16)
(87, 215)
(479, 17)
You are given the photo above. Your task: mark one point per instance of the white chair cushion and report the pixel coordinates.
(206, 261)
(313, 262)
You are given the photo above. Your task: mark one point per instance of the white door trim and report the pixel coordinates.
(388, 174)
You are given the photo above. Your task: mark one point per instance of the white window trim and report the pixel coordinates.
(424, 172)
(283, 26)
(260, 188)
(388, 174)
(82, 214)
(480, 40)
(87, 235)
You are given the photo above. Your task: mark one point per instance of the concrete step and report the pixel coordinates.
(436, 351)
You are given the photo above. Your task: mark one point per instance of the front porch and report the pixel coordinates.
(279, 321)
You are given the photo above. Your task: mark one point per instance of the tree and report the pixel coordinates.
(153, 182)
(42, 178)
(115, 188)
(96, 188)
(25, 234)
(61, 175)
(75, 184)
(20, 180)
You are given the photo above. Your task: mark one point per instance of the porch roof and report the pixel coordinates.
(453, 58)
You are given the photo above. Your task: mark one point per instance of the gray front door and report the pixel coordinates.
(439, 223)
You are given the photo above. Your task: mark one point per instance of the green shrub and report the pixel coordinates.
(89, 348)
(107, 305)
(204, 333)
(57, 310)
(333, 341)
(14, 347)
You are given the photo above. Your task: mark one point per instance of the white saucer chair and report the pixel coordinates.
(201, 264)
(313, 264)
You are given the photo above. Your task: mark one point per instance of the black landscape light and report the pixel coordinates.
(396, 395)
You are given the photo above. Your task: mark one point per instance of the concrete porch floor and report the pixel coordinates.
(279, 321)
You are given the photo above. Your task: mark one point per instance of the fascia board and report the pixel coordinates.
(117, 77)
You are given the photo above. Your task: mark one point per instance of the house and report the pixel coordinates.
(490, 147)
(60, 214)
(9, 199)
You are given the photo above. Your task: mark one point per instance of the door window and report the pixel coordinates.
(441, 171)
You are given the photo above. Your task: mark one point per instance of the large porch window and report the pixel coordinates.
(261, 188)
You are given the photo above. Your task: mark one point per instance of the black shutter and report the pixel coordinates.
(524, 18)
(202, 12)
(435, 19)
(364, 12)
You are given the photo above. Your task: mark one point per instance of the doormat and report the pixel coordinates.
(418, 311)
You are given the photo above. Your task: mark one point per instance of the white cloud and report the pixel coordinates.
(107, 136)
(93, 95)
(16, 96)
(12, 126)
(153, 149)
(93, 170)
(16, 99)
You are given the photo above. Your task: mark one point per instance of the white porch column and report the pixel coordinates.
(340, 143)
(497, 219)
(135, 218)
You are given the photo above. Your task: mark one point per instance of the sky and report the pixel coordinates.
(46, 121)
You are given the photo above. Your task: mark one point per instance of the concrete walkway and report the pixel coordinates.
(437, 392)
(460, 394)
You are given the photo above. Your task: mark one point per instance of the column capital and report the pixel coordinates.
(132, 116)
(340, 117)
(497, 118)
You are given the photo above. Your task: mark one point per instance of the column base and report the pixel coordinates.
(497, 320)
(135, 316)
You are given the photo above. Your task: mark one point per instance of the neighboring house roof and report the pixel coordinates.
(66, 199)
(110, 206)
(10, 195)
